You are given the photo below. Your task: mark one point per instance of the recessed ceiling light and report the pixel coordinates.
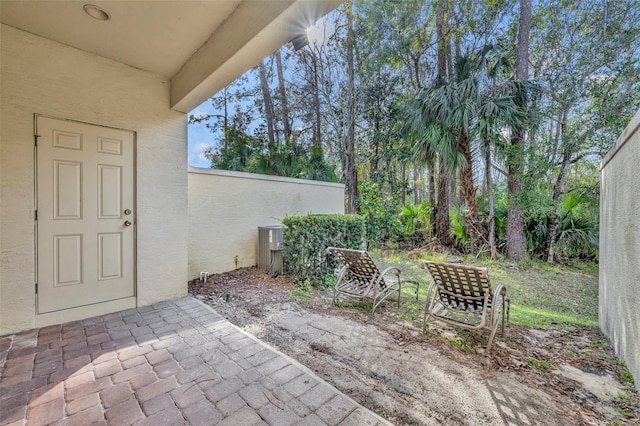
(96, 12)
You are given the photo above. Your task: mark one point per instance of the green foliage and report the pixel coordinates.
(578, 236)
(381, 213)
(302, 292)
(307, 237)
(537, 233)
(406, 123)
(238, 146)
(244, 152)
(625, 376)
(458, 229)
(415, 218)
(292, 160)
(542, 365)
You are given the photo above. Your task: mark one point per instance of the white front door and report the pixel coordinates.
(86, 216)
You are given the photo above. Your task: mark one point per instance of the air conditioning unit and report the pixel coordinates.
(270, 249)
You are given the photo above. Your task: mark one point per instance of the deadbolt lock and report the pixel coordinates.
(127, 212)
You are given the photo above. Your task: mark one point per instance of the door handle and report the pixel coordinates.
(127, 223)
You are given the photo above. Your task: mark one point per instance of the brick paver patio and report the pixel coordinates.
(171, 363)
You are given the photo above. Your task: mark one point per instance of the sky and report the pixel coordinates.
(199, 137)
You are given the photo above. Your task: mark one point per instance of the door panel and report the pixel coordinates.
(67, 189)
(109, 192)
(109, 256)
(67, 259)
(85, 239)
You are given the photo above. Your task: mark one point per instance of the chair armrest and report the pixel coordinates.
(341, 273)
(391, 269)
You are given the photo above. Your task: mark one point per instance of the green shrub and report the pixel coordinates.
(381, 213)
(307, 237)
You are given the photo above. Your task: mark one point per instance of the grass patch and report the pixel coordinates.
(626, 377)
(539, 318)
(361, 306)
(542, 295)
(411, 311)
(546, 295)
(541, 365)
(462, 344)
(302, 292)
(627, 414)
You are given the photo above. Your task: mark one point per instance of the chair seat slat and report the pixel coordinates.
(360, 278)
(462, 295)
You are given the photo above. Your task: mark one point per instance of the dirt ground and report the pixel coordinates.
(388, 365)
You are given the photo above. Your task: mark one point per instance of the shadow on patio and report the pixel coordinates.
(173, 362)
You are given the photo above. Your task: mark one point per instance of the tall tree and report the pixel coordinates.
(442, 211)
(351, 172)
(583, 76)
(317, 124)
(267, 101)
(516, 238)
(282, 95)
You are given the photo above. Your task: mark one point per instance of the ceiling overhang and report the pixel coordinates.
(200, 46)
(266, 26)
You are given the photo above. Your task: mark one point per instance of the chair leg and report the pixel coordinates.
(493, 334)
(425, 316)
(502, 325)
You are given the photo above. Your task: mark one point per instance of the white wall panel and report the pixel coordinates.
(620, 247)
(226, 209)
(48, 78)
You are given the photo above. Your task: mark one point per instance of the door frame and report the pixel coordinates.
(98, 308)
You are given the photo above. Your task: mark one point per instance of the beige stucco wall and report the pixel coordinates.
(226, 209)
(620, 247)
(44, 77)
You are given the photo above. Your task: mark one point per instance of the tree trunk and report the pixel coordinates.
(416, 69)
(454, 200)
(417, 186)
(516, 238)
(432, 200)
(442, 211)
(350, 155)
(268, 103)
(474, 228)
(442, 214)
(403, 173)
(488, 180)
(317, 128)
(553, 221)
(226, 121)
(282, 93)
(466, 179)
(442, 44)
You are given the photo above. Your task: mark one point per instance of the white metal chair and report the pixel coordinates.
(359, 278)
(462, 295)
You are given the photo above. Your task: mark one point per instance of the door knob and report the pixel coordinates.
(127, 223)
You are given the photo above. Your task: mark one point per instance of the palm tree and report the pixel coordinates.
(449, 119)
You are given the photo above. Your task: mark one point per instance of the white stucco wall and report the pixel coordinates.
(620, 247)
(44, 77)
(226, 209)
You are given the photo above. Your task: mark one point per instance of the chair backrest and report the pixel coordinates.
(461, 284)
(362, 268)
